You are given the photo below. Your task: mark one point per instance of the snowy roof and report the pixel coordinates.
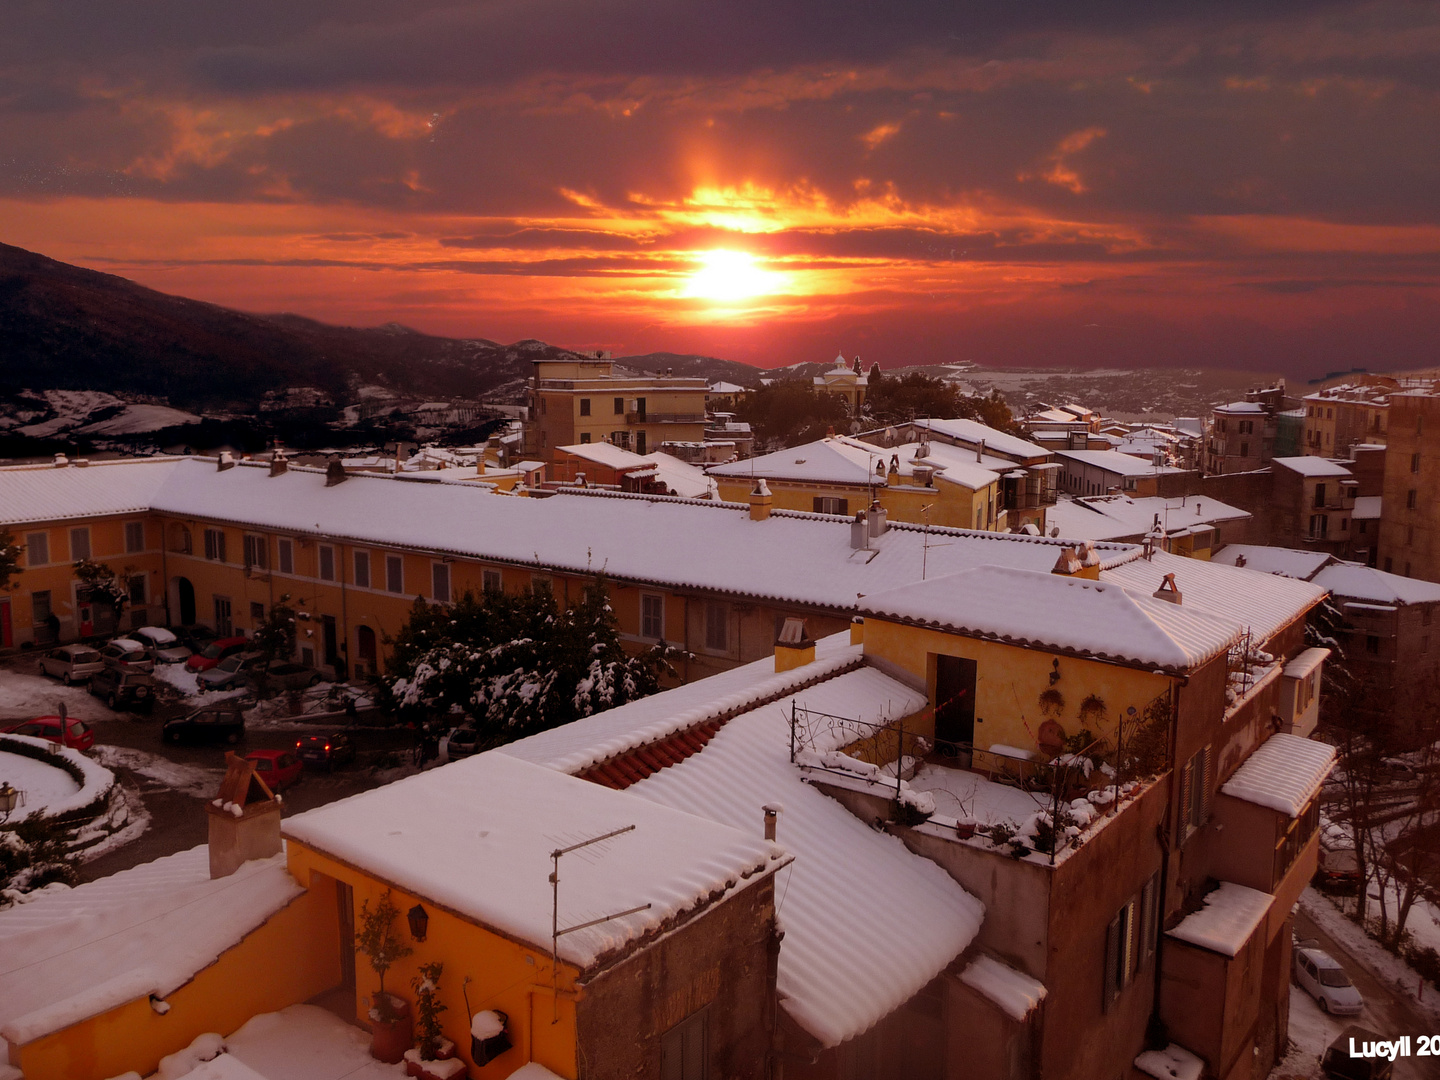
(686, 480)
(823, 461)
(1367, 508)
(1351, 581)
(1287, 562)
(1283, 774)
(1115, 462)
(973, 431)
(852, 900)
(800, 557)
(1056, 611)
(1108, 517)
(1014, 992)
(1305, 662)
(1310, 465)
(1263, 602)
(71, 954)
(726, 388)
(1241, 407)
(475, 836)
(45, 493)
(1230, 915)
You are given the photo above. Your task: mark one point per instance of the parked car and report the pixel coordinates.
(1339, 1065)
(235, 670)
(209, 725)
(128, 655)
(326, 750)
(127, 689)
(195, 637)
(278, 768)
(463, 742)
(1321, 976)
(285, 675)
(71, 663)
(216, 651)
(65, 730)
(161, 645)
(1337, 868)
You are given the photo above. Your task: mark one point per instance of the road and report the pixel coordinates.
(1388, 1012)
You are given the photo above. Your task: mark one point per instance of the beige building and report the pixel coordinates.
(1339, 418)
(1410, 515)
(845, 380)
(585, 401)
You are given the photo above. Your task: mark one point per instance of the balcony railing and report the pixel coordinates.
(664, 418)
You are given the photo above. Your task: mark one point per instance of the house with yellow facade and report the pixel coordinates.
(846, 381)
(586, 401)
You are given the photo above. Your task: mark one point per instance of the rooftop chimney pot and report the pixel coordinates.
(226, 460)
(335, 473)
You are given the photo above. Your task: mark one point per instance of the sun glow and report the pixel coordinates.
(730, 275)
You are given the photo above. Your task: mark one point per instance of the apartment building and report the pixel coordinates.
(586, 401)
(1410, 513)
(1339, 418)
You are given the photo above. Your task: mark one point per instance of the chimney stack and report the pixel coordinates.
(760, 501)
(335, 473)
(279, 463)
(61, 461)
(794, 647)
(772, 813)
(859, 531)
(226, 460)
(1168, 590)
(875, 518)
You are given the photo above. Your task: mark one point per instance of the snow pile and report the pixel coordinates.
(304, 1042)
(486, 1024)
(1172, 1063)
(158, 923)
(1014, 992)
(1283, 774)
(193, 780)
(475, 836)
(53, 791)
(183, 1063)
(845, 872)
(1230, 915)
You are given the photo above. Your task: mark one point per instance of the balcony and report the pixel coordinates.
(664, 418)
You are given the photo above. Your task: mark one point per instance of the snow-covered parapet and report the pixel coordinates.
(1229, 916)
(1013, 992)
(1284, 774)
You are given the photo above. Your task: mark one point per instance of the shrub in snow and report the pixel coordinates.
(428, 1008)
(33, 854)
(379, 942)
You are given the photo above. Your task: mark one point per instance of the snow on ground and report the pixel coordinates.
(129, 819)
(194, 780)
(181, 679)
(97, 780)
(24, 694)
(138, 418)
(1311, 1031)
(40, 785)
(1386, 967)
(968, 795)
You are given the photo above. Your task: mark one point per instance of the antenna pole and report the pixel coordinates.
(555, 932)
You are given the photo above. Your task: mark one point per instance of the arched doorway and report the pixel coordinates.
(367, 651)
(182, 601)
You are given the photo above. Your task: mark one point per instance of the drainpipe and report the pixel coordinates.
(165, 571)
(343, 647)
(1155, 1025)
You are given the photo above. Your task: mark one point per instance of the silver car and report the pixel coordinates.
(234, 671)
(1321, 976)
(127, 655)
(71, 663)
(161, 645)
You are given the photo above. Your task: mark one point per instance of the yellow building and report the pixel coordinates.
(1338, 418)
(845, 381)
(585, 401)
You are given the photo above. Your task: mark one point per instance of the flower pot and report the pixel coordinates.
(965, 829)
(389, 1039)
(448, 1068)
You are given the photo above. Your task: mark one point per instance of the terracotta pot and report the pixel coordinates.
(965, 830)
(390, 1039)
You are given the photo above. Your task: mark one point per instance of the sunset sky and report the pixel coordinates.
(1046, 183)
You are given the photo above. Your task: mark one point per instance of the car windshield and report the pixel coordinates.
(1333, 977)
(230, 663)
(211, 651)
(86, 657)
(77, 727)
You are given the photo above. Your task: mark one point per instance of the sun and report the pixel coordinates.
(730, 275)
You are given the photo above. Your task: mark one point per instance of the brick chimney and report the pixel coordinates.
(335, 473)
(244, 819)
(794, 647)
(279, 463)
(226, 460)
(760, 500)
(1168, 590)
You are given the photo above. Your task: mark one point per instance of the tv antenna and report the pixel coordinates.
(555, 932)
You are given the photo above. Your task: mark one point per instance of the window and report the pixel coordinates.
(684, 1053)
(1372, 644)
(257, 551)
(490, 581)
(1244, 449)
(1414, 462)
(584, 406)
(717, 626)
(1425, 614)
(135, 588)
(831, 506)
(1425, 643)
(1319, 495)
(1409, 535)
(1389, 562)
(640, 441)
(257, 613)
(619, 406)
(37, 548)
(287, 555)
(362, 569)
(652, 615)
(585, 436)
(440, 582)
(1410, 499)
(134, 536)
(1319, 525)
(215, 544)
(1329, 414)
(1195, 793)
(542, 406)
(327, 563)
(80, 543)
(1344, 524)
(541, 585)
(394, 574)
(223, 625)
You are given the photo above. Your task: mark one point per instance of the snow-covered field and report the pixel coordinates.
(72, 410)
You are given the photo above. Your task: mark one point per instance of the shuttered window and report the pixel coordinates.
(287, 556)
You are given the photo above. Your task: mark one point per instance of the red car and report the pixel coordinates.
(278, 768)
(67, 731)
(216, 651)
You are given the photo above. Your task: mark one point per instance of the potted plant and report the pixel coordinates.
(390, 1022)
(433, 1057)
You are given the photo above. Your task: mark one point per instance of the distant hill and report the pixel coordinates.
(63, 327)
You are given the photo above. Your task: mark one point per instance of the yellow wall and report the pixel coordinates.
(505, 975)
(951, 505)
(1010, 680)
(291, 958)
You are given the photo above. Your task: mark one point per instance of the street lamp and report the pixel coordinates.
(419, 920)
(8, 798)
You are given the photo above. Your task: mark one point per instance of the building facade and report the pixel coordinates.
(585, 401)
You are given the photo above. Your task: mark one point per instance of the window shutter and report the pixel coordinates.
(1112, 962)
(1127, 944)
(1203, 779)
(1185, 782)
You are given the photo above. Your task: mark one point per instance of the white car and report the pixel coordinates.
(71, 663)
(127, 655)
(161, 645)
(1321, 976)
